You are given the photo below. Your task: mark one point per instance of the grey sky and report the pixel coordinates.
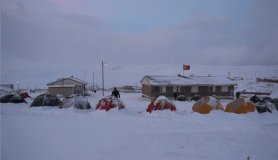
(217, 32)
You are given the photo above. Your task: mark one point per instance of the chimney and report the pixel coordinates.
(71, 77)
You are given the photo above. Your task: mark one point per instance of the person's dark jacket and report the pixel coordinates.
(116, 94)
(175, 95)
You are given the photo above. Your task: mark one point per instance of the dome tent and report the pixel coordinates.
(206, 104)
(2, 93)
(255, 99)
(12, 98)
(267, 99)
(46, 99)
(76, 101)
(264, 106)
(60, 96)
(216, 97)
(239, 106)
(273, 101)
(110, 102)
(25, 95)
(161, 103)
(196, 98)
(181, 98)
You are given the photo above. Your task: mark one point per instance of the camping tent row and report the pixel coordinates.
(203, 105)
(76, 101)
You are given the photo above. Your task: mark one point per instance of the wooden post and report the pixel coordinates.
(93, 81)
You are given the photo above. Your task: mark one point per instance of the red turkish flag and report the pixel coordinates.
(186, 67)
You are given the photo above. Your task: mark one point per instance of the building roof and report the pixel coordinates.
(267, 78)
(70, 78)
(259, 90)
(62, 86)
(186, 81)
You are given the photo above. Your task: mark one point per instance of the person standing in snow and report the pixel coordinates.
(175, 95)
(115, 93)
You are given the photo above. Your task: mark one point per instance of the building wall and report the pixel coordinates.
(169, 92)
(65, 91)
(79, 89)
(11, 86)
(186, 91)
(146, 90)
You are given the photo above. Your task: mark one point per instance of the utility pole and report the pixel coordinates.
(84, 75)
(102, 78)
(17, 85)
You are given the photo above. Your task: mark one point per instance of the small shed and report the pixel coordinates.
(67, 86)
(10, 86)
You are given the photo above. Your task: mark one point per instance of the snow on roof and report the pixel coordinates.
(274, 78)
(62, 86)
(184, 81)
(70, 78)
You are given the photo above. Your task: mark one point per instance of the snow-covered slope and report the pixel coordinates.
(32, 73)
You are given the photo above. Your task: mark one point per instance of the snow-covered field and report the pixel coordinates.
(44, 133)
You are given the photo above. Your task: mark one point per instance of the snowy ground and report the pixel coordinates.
(46, 133)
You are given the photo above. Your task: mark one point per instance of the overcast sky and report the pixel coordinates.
(215, 32)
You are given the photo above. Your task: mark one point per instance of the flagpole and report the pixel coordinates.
(183, 69)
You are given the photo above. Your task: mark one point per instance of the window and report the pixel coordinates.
(157, 89)
(160, 89)
(224, 89)
(176, 89)
(163, 89)
(211, 88)
(194, 89)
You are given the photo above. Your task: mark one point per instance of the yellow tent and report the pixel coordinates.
(206, 104)
(239, 106)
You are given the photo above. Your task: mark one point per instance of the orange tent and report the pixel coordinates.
(206, 104)
(239, 106)
(110, 102)
(161, 103)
